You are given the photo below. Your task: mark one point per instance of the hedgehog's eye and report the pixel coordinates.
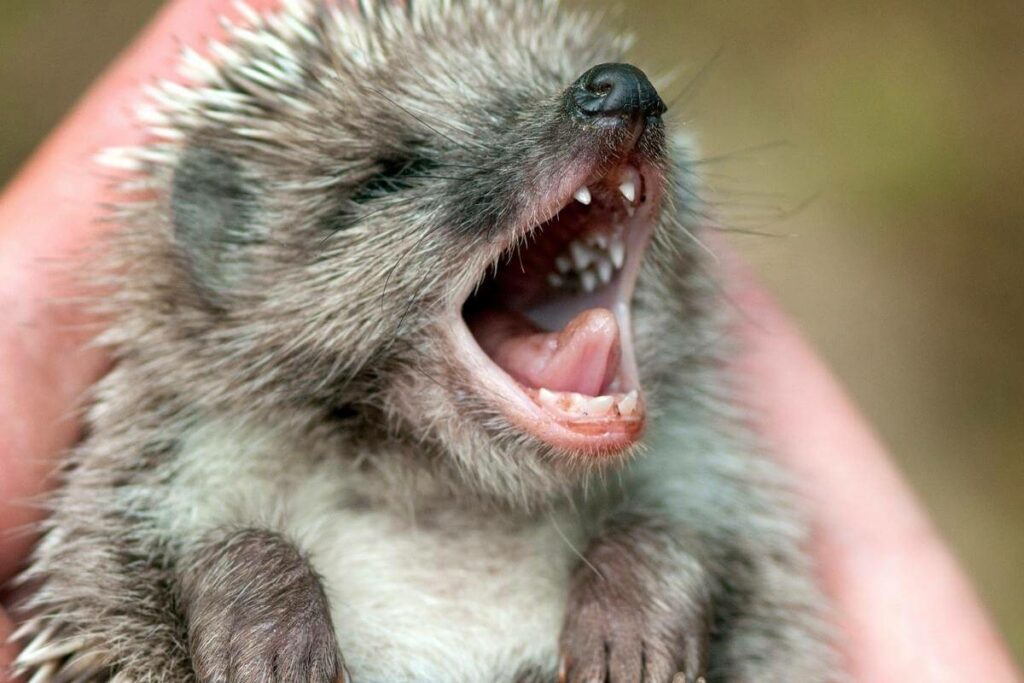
(395, 175)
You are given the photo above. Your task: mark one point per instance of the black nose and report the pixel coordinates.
(615, 91)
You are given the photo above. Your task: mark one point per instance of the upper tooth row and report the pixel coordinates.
(629, 180)
(590, 406)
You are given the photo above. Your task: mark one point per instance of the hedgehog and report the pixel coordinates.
(420, 377)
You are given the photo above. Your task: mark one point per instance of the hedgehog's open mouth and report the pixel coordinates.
(551, 319)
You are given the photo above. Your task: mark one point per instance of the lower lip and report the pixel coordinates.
(589, 437)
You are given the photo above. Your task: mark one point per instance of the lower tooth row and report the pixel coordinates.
(590, 406)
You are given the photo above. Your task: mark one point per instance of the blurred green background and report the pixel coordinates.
(902, 123)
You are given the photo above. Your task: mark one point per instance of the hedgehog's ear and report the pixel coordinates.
(214, 213)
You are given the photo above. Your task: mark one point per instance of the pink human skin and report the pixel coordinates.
(906, 611)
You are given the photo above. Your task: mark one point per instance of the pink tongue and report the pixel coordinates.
(584, 357)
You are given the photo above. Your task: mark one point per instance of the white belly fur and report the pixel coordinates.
(415, 605)
(420, 596)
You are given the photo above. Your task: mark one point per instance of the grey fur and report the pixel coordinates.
(369, 166)
(214, 214)
(614, 630)
(256, 612)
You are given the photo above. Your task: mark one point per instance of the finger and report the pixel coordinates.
(906, 608)
(48, 214)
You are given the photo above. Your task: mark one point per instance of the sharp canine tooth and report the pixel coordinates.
(582, 195)
(604, 270)
(581, 256)
(629, 181)
(601, 405)
(627, 406)
(618, 252)
(628, 190)
(563, 264)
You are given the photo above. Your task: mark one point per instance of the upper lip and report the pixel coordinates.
(566, 421)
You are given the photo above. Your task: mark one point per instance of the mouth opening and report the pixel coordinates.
(551, 318)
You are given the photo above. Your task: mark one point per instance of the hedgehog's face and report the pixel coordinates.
(451, 224)
(545, 331)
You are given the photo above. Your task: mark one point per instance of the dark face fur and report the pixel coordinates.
(392, 218)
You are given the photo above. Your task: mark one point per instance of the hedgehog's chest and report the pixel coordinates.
(434, 594)
(460, 602)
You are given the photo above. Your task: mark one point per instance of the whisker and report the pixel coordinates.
(738, 154)
(420, 119)
(694, 85)
(670, 199)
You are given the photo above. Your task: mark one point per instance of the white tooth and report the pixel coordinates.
(627, 406)
(628, 190)
(555, 280)
(563, 264)
(629, 181)
(589, 281)
(618, 252)
(548, 398)
(582, 195)
(601, 405)
(578, 403)
(604, 270)
(581, 256)
(602, 240)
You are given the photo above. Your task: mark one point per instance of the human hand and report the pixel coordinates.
(905, 609)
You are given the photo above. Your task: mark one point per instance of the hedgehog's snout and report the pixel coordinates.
(615, 94)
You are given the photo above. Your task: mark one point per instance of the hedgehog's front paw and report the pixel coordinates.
(603, 645)
(258, 614)
(623, 625)
(248, 644)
